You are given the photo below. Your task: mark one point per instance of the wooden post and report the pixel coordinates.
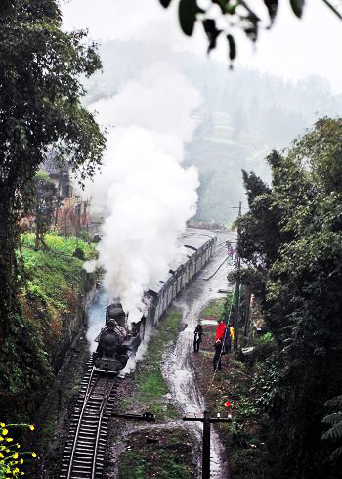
(207, 420)
(206, 446)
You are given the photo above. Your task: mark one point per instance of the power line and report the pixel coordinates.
(237, 285)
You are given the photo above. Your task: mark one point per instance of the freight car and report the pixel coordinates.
(198, 248)
(116, 342)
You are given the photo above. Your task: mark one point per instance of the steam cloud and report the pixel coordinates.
(148, 194)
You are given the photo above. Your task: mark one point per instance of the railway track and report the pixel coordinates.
(84, 452)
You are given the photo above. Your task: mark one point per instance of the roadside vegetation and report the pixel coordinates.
(53, 284)
(42, 117)
(234, 391)
(160, 453)
(291, 242)
(214, 309)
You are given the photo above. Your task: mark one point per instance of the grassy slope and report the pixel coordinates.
(53, 281)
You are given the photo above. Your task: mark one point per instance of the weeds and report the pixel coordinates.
(164, 454)
(214, 309)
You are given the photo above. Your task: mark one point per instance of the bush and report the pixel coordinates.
(264, 347)
(79, 253)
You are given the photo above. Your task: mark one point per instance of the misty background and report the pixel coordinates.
(244, 114)
(180, 127)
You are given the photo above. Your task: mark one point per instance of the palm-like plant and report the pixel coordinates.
(334, 421)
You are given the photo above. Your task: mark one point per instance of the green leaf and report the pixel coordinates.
(212, 33)
(187, 15)
(232, 47)
(165, 3)
(334, 432)
(334, 419)
(297, 7)
(272, 7)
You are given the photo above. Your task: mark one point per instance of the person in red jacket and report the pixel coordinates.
(220, 330)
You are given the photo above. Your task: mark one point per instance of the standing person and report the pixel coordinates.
(227, 341)
(232, 335)
(220, 330)
(197, 337)
(217, 356)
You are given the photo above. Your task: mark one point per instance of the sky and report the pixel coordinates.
(292, 49)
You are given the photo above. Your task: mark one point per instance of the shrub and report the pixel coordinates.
(79, 253)
(11, 458)
(264, 347)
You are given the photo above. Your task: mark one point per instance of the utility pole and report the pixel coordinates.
(237, 284)
(207, 420)
(248, 310)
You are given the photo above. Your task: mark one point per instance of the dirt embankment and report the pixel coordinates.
(53, 415)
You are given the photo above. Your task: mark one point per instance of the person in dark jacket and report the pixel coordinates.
(218, 355)
(198, 331)
(227, 342)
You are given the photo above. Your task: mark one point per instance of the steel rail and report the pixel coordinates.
(103, 408)
(86, 397)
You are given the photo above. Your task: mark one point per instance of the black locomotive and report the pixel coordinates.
(116, 341)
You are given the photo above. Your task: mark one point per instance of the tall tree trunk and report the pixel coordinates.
(36, 241)
(9, 240)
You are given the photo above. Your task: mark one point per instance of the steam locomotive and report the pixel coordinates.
(116, 342)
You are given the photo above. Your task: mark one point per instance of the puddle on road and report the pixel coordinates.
(177, 368)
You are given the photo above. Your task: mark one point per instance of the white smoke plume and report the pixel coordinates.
(149, 196)
(140, 354)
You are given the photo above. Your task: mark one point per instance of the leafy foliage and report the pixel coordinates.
(300, 266)
(52, 282)
(264, 347)
(50, 274)
(238, 12)
(40, 111)
(44, 204)
(333, 435)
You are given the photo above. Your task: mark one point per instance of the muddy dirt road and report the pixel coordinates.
(177, 365)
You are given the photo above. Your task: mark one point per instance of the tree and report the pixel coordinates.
(238, 12)
(334, 432)
(302, 271)
(45, 202)
(40, 110)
